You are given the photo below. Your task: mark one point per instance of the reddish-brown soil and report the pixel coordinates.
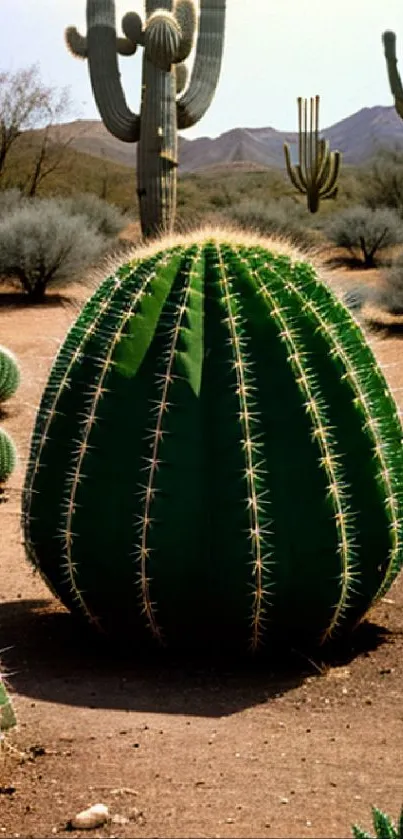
(182, 749)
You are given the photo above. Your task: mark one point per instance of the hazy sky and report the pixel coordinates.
(275, 50)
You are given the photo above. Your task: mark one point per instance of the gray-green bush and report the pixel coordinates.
(380, 181)
(363, 232)
(10, 200)
(41, 245)
(389, 295)
(284, 217)
(105, 218)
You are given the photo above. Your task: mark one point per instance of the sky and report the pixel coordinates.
(274, 51)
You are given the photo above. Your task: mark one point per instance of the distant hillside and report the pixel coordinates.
(357, 137)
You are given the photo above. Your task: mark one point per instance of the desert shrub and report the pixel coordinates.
(103, 217)
(381, 180)
(389, 295)
(40, 245)
(284, 217)
(10, 200)
(363, 232)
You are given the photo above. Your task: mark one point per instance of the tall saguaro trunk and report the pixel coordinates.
(168, 102)
(157, 150)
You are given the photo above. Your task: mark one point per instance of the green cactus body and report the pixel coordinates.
(216, 459)
(167, 38)
(317, 171)
(8, 456)
(9, 374)
(7, 715)
(395, 82)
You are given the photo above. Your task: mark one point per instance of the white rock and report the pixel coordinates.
(95, 816)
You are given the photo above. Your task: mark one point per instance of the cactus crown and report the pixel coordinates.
(216, 458)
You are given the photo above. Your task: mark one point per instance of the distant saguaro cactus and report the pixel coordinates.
(389, 45)
(316, 173)
(167, 37)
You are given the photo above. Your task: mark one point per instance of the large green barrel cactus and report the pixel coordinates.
(9, 374)
(217, 459)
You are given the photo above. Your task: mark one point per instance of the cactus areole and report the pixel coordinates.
(217, 459)
(168, 102)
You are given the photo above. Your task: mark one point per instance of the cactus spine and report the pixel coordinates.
(166, 106)
(216, 459)
(395, 82)
(9, 374)
(316, 173)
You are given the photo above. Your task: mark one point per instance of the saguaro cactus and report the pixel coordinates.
(217, 459)
(317, 171)
(166, 103)
(389, 44)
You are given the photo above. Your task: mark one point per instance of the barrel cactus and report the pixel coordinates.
(8, 456)
(216, 459)
(9, 374)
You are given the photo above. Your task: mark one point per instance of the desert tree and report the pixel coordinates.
(26, 104)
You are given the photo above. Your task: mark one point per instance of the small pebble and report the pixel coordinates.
(94, 816)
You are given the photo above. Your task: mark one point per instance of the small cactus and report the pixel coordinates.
(8, 456)
(216, 459)
(316, 173)
(383, 825)
(9, 374)
(7, 715)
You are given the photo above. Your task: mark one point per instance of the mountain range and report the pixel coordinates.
(357, 137)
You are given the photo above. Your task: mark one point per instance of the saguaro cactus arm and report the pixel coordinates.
(389, 44)
(100, 46)
(207, 64)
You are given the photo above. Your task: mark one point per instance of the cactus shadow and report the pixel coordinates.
(52, 658)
